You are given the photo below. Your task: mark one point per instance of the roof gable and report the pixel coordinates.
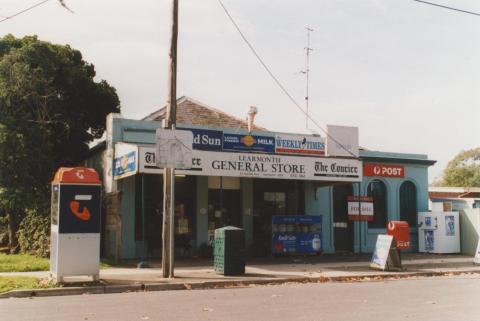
(193, 112)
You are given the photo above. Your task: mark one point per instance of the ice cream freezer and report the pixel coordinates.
(438, 232)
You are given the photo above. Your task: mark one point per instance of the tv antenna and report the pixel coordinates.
(306, 72)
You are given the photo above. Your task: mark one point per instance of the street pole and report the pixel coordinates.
(169, 173)
(360, 216)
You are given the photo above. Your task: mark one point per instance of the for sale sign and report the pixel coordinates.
(360, 208)
(395, 171)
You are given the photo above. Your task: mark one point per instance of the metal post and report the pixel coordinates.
(360, 217)
(169, 173)
(307, 74)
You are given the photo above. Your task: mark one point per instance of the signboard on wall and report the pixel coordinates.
(174, 148)
(299, 145)
(261, 166)
(125, 162)
(342, 141)
(249, 143)
(206, 139)
(393, 171)
(366, 212)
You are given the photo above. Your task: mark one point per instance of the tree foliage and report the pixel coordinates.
(50, 109)
(463, 170)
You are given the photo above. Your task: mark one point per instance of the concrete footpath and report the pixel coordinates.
(199, 274)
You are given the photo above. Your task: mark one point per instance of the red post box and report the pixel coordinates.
(399, 231)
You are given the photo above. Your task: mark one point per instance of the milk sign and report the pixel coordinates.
(250, 143)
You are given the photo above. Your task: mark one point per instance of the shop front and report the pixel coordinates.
(248, 180)
(241, 189)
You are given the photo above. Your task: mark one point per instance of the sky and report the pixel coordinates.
(406, 73)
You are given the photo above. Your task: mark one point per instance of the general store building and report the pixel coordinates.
(221, 189)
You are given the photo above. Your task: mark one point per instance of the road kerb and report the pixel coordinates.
(150, 287)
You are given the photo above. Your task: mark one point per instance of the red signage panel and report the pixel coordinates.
(395, 171)
(400, 232)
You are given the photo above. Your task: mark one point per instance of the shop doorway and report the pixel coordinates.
(342, 227)
(150, 192)
(224, 204)
(273, 197)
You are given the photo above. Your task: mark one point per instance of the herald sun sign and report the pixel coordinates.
(381, 170)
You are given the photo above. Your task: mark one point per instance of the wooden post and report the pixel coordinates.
(169, 173)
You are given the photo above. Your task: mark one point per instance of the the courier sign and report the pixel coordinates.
(261, 166)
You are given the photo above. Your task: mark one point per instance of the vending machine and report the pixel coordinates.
(75, 223)
(439, 232)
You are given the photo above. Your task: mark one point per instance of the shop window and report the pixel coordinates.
(276, 201)
(224, 208)
(184, 211)
(408, 203)
(378, 191)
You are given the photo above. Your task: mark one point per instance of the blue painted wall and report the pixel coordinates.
(317, 200)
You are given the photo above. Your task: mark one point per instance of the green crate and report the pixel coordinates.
(229, 251)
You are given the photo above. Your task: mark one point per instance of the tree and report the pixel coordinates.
(50, 109)
(463, 170)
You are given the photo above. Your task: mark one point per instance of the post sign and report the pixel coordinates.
(249, 143)
(299, 145)
(174, 148)
(260, 166)
(382, 249)
(366, 208)
(393, 171)
(125, 161)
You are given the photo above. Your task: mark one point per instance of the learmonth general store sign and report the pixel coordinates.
(261, 166)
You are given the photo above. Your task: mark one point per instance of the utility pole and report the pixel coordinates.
(307, 72)
(169, 173)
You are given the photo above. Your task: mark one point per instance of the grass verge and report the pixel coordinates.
(9, 283)
(22, 263)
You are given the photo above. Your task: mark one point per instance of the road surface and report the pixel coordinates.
(439, 299)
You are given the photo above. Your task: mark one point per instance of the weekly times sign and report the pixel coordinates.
(261, 166)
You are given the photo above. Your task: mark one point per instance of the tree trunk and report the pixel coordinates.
(12, 234)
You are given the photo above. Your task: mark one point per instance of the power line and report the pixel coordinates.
(275, 79)
(449, 8)
(24, 10)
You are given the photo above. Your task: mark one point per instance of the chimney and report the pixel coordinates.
(251, 117)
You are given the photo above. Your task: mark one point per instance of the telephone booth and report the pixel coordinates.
(75, 224)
